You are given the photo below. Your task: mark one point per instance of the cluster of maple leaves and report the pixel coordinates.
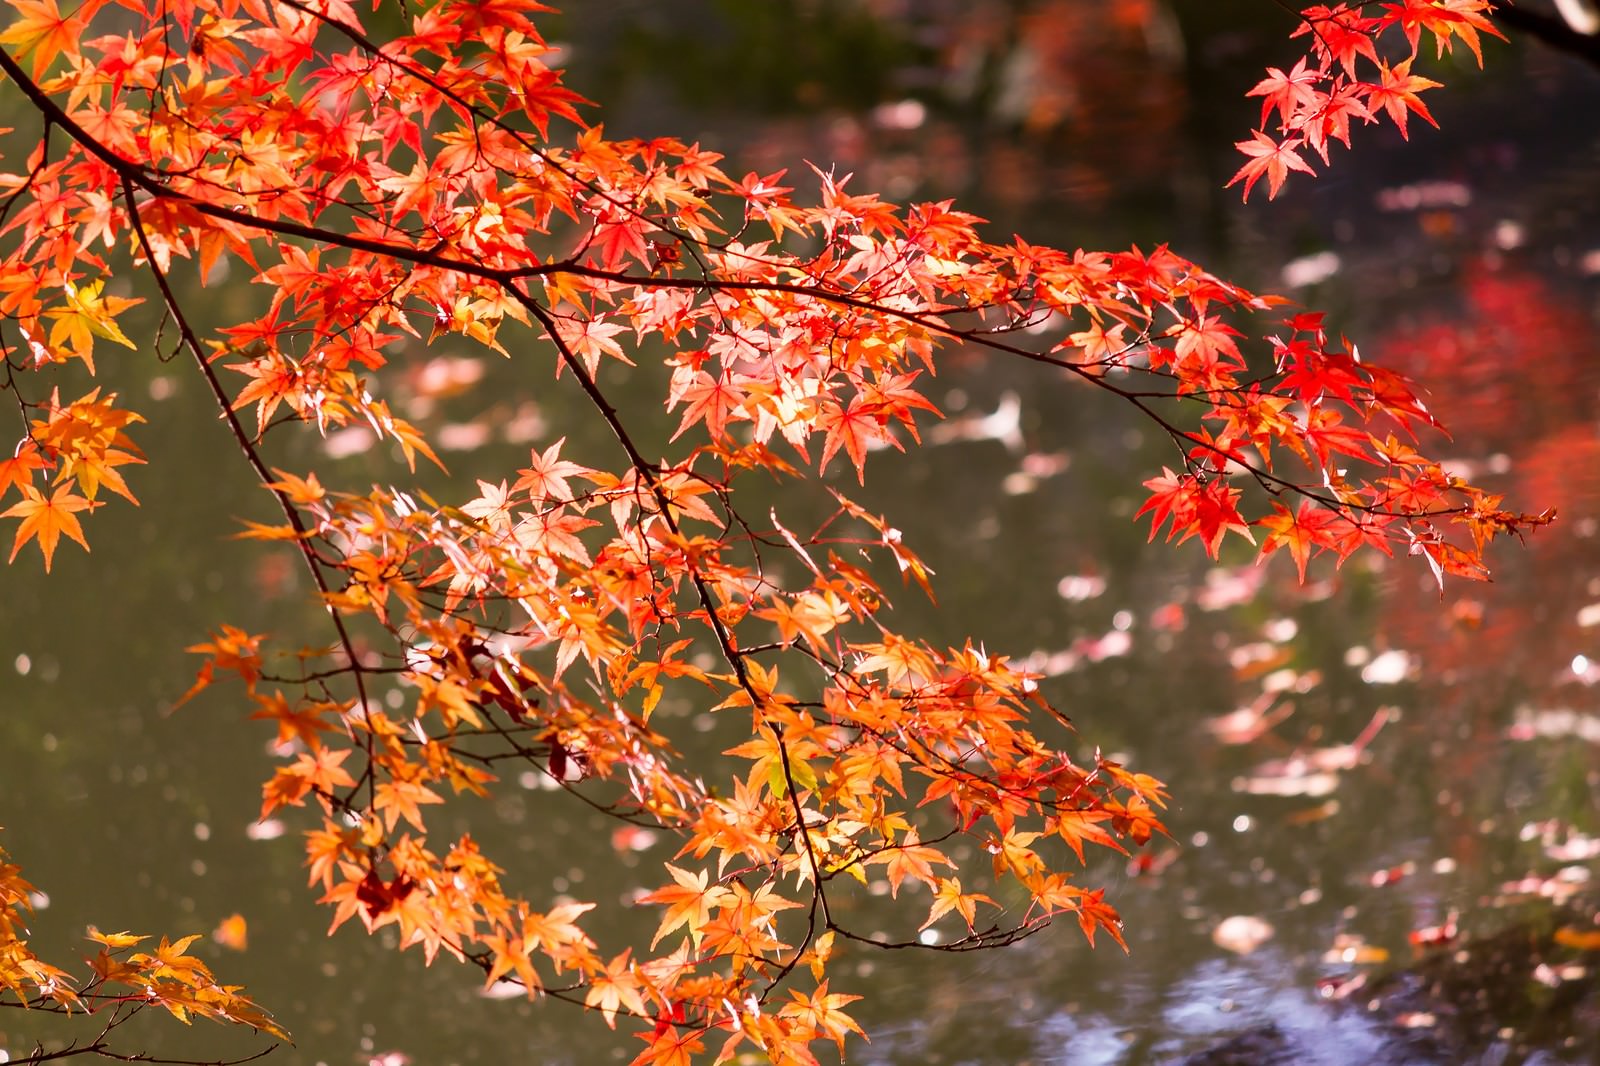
(1346, 78)
(444, 187)
(122, 981)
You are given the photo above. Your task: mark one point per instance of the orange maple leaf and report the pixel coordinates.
(669, 1046)
(44, 31)
(47, 520)
(949, 897)
(616, 987)
(689, 903)
(910, 858)
(1094, 912)
(18, 470)
(822, 1011)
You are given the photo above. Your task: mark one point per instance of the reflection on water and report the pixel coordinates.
(1355, 759)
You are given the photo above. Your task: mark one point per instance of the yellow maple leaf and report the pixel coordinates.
(88, 315)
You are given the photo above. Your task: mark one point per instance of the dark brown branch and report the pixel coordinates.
(1551, 30)
(101, 1050)
(291, 514)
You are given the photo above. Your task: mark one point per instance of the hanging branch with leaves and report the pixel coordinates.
(443, 186)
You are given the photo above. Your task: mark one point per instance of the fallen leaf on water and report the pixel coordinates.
(633, 838)
(1312, 784)
(1341, 987)
(1554, 724)
(1242, 933)
(265, 829)
(233, 933)
(1152, 863)
(1352, 950)
(1390, 668)
(1325, 809)
(1576, 848)
(1318, 762)
(1431, 936)
(1392, 874)
(1583, 939)
(1556, 976)
(1560, 887)
(1249, 723)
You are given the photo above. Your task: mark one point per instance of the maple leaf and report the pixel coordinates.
(233, 649)
(401, 799)
(1332, 119)
(822, 1011)
(41, 29)
(1271, 158)
(1095, 913)
(670, 1045)
(1397, 93)
(948, 897)
(1076, 827)
(1327, 433)
(1340, 34)
(689, 903)
(546, 475)
(616, 986)
(425, 189)
(1204, 343)
(47, 519)
(556, 928)
(589, 339)
(325, 849)
(296, 722)
(1443, 18)
(855, 428)
(1171, 499)
(18, 470)
(1012, 853)
(1446, 558)
(810, 615)
(1289, 93)
(617, 237)
(318, 770)
(120, 940)
(172, 960)
(910, 858)
(1217, 513)
(270, 150)
(301, 491)
(510, 955)
(714, 401)
(88, 315)
(274, 380)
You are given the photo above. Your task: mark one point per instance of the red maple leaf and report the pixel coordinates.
(1271, 158)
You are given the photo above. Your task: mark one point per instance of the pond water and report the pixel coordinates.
(1350, 761)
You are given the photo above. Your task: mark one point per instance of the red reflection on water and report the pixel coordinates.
(1514, 372)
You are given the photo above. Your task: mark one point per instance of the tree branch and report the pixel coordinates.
(1552, 30)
